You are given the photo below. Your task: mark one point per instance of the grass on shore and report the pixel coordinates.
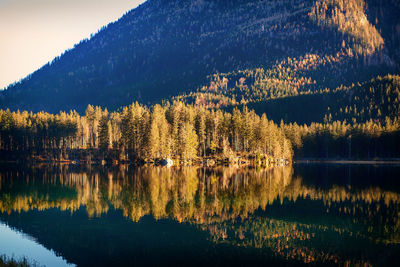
(12, 262)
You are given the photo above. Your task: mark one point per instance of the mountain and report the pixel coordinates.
(375, 99)
(221, 52)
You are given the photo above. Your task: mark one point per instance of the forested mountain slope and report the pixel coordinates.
(375, 99)
(264, 49)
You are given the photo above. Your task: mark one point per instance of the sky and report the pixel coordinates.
(33, 32)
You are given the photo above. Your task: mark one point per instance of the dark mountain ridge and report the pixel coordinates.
(167, 48)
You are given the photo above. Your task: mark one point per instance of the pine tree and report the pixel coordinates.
(154, 142)
(104, 132)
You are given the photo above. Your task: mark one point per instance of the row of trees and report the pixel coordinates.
(137, 132)
(340, 139)
(186, 132)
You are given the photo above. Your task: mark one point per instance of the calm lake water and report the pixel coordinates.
(319, 214)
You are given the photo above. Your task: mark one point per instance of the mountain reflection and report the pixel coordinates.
(258, 208)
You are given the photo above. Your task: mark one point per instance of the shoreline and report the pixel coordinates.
(215, 162)
(204, 162)
(347, 161)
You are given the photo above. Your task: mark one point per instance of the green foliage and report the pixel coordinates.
(104, 131)
(360, 121)
(369, 140)
(165, 48)
(137, 132)
(375, 99)
(306, 75)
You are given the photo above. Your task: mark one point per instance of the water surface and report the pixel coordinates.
(320, 214)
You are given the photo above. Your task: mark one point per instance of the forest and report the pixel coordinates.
(280, 92)
(164, 49)
(216, 67)
(137, 133)
(187, 134)
(343, 140)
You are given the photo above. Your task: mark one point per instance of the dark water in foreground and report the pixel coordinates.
(319, 214)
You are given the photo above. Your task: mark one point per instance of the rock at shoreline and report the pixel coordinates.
(209, 162)
(167, 162)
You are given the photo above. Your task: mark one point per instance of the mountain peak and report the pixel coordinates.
(165, 48)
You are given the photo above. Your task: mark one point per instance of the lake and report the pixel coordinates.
(65, 215)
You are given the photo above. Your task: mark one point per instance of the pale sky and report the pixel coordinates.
(33, 32)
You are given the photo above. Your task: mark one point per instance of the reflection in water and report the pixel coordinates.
(271, 209)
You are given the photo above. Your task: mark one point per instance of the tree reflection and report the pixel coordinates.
(238, 206)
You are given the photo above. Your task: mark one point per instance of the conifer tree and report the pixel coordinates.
(104, 132)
